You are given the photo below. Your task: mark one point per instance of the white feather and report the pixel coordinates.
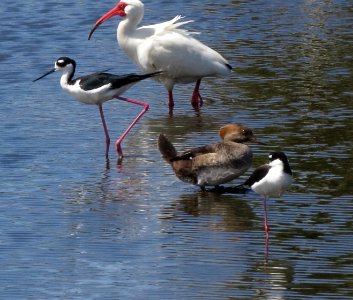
(275, 183)
(168, 48)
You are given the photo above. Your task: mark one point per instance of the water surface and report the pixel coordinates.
(72, 227)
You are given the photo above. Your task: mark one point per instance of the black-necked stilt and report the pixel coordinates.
(98, 88)
(271, 179)
(212, 164)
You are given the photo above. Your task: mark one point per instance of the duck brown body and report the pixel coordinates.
(212, 164)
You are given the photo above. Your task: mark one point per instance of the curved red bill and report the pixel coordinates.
(117, 10)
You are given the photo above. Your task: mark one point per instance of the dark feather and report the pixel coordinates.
(189, 154)
(97, 80)
(185, 156)
(166, 148)
(229, 66)
(257, 175)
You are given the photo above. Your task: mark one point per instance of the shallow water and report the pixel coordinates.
(73, 227)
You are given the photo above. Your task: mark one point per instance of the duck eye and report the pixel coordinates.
(247, 132)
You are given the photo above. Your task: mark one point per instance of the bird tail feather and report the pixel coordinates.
(166, 148)
(173, 25)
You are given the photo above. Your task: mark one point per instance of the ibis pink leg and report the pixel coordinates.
(196, 99)
(267, 228)
(145, 108)
(171, 100)
(266, 249)
(107, 138)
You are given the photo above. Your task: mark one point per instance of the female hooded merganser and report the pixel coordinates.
(212, 164)
(271, 179)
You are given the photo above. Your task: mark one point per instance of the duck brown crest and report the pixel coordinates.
(226, 129)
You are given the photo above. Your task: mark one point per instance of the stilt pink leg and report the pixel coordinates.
(266, 249)
(107, 138)
(145, 108)
(196, 99)
(267, 228)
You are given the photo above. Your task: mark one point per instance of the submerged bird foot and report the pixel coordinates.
(171, 101)
(203, 189)
(120, 152)
(107, 144)
(196, 100)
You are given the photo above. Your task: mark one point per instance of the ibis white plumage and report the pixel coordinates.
(165, 47)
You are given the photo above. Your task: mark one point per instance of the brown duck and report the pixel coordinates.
(213, 164)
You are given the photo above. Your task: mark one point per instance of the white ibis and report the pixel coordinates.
(212, 164)
(271, 179)
(98, 88)
(165, 47)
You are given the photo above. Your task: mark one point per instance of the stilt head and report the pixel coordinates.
(280, 158)
(65, 64)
